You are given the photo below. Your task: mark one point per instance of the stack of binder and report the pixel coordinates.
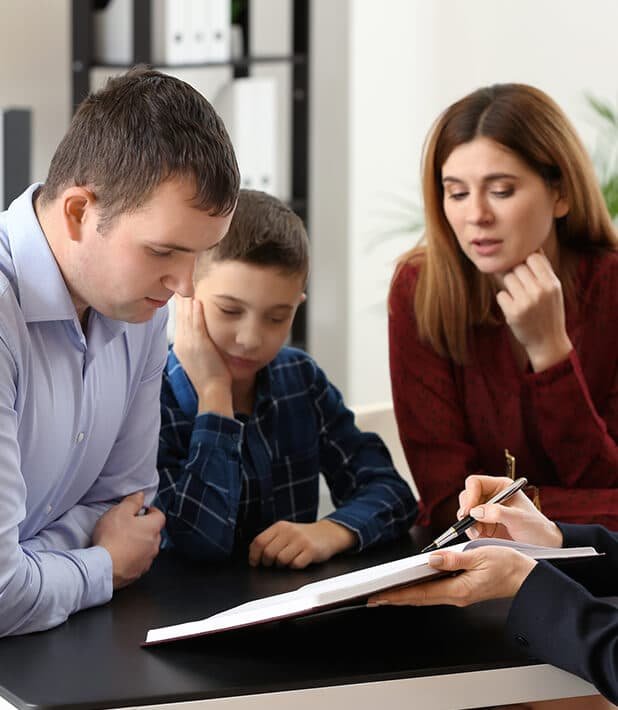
(248, 108)
(15, 151)
(162, 32)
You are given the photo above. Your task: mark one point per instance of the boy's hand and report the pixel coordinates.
(200, 358)
(532, 303)
(488, 573)
(297, 545)
(131, 539)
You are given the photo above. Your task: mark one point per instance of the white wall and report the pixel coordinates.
(381, 72)
(35, 70)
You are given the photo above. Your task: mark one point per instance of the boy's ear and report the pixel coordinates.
(78, 205)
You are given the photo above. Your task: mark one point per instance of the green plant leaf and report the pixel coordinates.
(603, 109)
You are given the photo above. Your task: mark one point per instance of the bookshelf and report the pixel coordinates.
(83, 64)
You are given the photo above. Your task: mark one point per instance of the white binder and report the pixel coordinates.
(113, 33)
(209, 30)
(167, 25)
(171, 22)
(248, 109)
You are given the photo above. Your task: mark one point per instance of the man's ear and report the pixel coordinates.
(78, 207)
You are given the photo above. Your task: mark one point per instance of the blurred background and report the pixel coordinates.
(327, 103)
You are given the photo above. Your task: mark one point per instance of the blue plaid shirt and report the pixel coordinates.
(223, 481)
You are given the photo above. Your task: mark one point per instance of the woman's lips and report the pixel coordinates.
(486, 247)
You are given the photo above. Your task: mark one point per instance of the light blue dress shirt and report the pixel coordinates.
(79, 426)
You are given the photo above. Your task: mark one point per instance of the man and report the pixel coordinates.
(143, 181)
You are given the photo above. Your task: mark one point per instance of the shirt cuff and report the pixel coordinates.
(217, 430)
(561, 369)
(99, 587)
(355, 525)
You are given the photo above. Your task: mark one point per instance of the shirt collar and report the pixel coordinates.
(43, 294)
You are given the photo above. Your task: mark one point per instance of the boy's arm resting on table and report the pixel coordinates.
(560, 622)
(371, 498)
(296, 545)
(200, 475)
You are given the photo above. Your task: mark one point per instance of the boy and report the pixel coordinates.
(87, 262)
(248, 425)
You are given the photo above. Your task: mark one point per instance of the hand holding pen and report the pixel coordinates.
(467, 521)
(480, 515)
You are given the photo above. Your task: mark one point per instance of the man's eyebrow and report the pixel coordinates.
(288, 306)
(173, 247)
(179, 247)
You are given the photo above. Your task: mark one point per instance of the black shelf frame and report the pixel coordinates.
(82, 33)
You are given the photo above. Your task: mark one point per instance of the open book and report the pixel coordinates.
(341, 589)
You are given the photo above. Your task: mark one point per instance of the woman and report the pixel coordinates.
(556, 617)
(503, 325)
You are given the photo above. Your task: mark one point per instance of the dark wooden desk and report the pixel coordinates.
(94, 660)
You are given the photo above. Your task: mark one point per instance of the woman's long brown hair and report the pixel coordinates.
(451, 295)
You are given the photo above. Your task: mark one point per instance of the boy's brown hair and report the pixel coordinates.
(142, 128)
(264, 232)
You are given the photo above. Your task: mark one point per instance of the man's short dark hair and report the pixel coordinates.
(265, 232)
(142, 128)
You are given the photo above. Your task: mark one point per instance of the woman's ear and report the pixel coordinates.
(561, 206)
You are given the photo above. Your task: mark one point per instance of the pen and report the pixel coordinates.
(467, 522)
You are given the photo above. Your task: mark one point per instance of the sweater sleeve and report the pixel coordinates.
(580, 440)
(573, 406)
(427, 405)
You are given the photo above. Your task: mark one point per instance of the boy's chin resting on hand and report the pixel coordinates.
(296, 545)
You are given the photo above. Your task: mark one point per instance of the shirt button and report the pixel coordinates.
(80, 437)
(522, 640)
(49, 509)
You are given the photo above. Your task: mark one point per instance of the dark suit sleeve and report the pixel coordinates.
(598, 575)
(561, 622)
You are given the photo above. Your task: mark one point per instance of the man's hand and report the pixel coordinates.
(533, 306)
(488, 573)
(516, 519)
(297, 545)
(132, 540)
(200, 358)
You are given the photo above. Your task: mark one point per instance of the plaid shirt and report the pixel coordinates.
(223, 481)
